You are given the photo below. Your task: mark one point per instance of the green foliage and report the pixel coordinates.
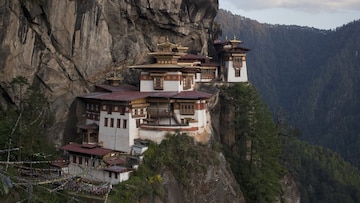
(254, 157)
(26, 125)
(321, 175)
(312, 74)
(178, 153)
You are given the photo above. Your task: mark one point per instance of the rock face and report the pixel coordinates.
(65, 47)
(216, 185)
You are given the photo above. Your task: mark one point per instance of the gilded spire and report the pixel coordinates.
(166, 46)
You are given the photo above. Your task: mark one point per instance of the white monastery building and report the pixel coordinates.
(120, 117)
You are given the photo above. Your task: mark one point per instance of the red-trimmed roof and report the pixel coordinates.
(158, 66)
(79, 148)
(163, 94)
(116, 96)
(118, 169)
(123, 96)
(60, 162)
(115, 161)
(120, 88)
(192, 95)
(129, 96)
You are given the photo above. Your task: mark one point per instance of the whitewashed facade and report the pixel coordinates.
(166, 102)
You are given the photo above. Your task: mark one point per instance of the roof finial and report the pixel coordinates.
(234, 37)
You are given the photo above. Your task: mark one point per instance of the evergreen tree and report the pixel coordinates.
(25, 125)
(255, 155)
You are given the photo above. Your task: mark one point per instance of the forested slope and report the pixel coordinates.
(312, 74)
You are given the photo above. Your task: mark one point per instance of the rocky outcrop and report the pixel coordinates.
(216, 184)
(65, 47)
(291, 193)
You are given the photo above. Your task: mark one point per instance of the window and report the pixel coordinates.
(93, 163)
(137, 123)
(109, 174)
(122, 110)
(118, 123)
(187, 82)
(142, 111)
(105, 122)
(237, 72)
(116, 175)
(187, 109)
(74, 159)
(124, 123)
(237, 62)
(80, 160)
(109, 110)
(112, 122)
(158, 83)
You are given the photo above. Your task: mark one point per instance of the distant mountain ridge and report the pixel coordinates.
(312, 74)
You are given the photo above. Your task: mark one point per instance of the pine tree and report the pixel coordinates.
(255, 155)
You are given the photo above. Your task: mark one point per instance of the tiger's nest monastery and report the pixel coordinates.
(120, 117)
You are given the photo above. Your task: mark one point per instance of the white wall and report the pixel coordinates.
(92, 173)
(113, 137)
(231, 72)
(169, 85)
(146, 86)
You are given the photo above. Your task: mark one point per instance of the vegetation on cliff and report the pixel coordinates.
(311, 73)
(177, 153)
(25, 125)
(321, 174)
(264, 151)
(254, 157)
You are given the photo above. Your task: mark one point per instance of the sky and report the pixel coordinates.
(321, 14)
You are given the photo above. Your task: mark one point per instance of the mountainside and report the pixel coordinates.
(311, 74)
(65, 47)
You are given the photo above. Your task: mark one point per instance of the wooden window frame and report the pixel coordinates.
(237, 61)
(237, 72)
(106, 120)
(187, 108)
(158, 82)
(187, 82)
(137, 123)
(111, 122)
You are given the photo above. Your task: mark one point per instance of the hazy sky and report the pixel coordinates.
(322, 14)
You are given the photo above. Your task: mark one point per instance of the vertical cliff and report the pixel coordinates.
(65, 47)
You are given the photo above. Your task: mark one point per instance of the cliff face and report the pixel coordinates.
(67, 46)
(216, 185)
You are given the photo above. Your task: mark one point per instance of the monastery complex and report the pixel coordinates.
(121, 118)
